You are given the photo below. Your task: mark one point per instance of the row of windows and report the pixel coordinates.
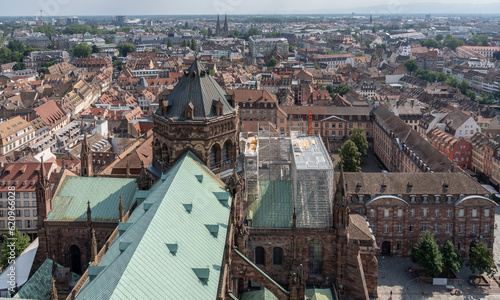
(271, 105)
(399, 245)
(18, 195)
(424, 228)
(19, 224)
(19, 213)
(425, 212)
(18, 204)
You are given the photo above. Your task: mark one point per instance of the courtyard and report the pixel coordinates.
(394, 278)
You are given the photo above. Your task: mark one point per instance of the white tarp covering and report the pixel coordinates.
(22, 266)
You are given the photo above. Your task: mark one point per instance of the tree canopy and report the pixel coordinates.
(427, 255)
(481, 260)
(411, 65)
(451, 257)
(22, 241)
(125, 49)
(359, 138)
(19, 66)
(82, 50)
(350, 157)
(272, 62)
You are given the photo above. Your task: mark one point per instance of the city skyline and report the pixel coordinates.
(52, 8)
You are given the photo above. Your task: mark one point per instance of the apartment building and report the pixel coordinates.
(21, 179)
(15, 134)
(402, 149)
(401, 207)
(458, 150)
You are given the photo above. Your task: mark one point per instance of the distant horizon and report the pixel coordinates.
(97, 8)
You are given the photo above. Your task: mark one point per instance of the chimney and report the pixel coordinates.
(452, 167)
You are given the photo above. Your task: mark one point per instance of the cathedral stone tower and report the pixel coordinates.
(198, 116)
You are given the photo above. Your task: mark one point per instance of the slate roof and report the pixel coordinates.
(199, 88)
(437, 161)
(70, 202)
(421, 183)
(166, 245)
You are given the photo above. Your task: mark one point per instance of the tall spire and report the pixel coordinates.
(42, 180)
(217, 28)
(120, 209)
(85, 158)
(226, 27)
(89, 212)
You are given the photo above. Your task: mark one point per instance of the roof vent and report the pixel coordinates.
(202, 274)
(172, 248)
(122, 227)
(213, 229)
(93, 271)
(147, 205)
(223, 197)
(123, 245)
(200, 178)
(188, 207)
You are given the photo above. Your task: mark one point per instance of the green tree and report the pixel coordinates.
(49, 30)
(350, 157)
(427, 255)
(359, 54)
(452, 42)
(5, 55)
(22, 241)
(368, 43)
(272, 62)
(183, 44)
(291, 48)
(496, 55)
(411, 65)
(77, 28)
(16, 46)
(463, 86)
(481, 260)
(451, 81)
(107, 40)
(193, 45)
(471, 95)
(212, 72)
(359, 138)
(479, 40)
(451, 257)
(439, 37)
(342, 89)
(125, 49)
(82, 50)
(431, 43)
(19, 66)
(169, 43)
(45, 66)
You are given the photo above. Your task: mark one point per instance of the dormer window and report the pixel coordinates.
(425, 198)
(360, 198)
(449, 198)
(436, 198)
(188, 111)
(413, 198)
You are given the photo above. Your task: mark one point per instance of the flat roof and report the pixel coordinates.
(310, 153)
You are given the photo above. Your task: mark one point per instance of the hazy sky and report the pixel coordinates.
(169, 7)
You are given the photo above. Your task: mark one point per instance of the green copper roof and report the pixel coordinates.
(263, 294)
(319, 294)
(167, 252)
(274, 206)
(70, 202)
(40, 284)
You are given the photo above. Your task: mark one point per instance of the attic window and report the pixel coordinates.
(445, 187)
(409, 186)
(383, 187)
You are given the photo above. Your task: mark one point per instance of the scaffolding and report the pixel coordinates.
(297, 158)
(312, 173)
